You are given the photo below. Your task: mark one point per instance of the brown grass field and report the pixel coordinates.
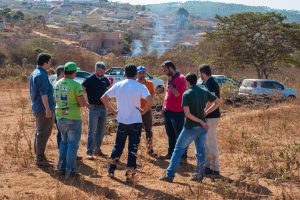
(259, 155)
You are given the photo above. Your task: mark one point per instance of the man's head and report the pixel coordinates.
(130, 71)
(70, 69)
(141, 72)
(59, 72)
(100, 68)
(168, 68)
(191, 79)
(44, 60)
(205, 72)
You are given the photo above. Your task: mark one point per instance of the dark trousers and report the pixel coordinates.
(147, 124)
(174, 122)
(133, 132)
(58, 136)
(43, 128)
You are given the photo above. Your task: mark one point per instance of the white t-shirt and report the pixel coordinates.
(128, 94)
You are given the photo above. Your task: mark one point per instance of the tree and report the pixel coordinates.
(182, 17)
(259, 40)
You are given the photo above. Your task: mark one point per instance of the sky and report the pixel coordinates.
(278, 4)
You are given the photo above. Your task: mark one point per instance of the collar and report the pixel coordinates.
(208, 79)
(176, 75)
(41, 68)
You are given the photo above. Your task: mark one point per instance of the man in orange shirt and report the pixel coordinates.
(147, 117)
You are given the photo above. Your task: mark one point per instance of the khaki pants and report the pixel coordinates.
(212, 152)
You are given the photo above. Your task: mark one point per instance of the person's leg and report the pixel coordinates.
(185, 139)
(63, 147)
(118, 148)
(147, 123)
(177, 120)
(170, 132)
(43, 131)
(92, 126)
(58, 136)
(74, 134)
(100, 129)
(200, 152)
(212, 152)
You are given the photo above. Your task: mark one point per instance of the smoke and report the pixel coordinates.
(137, 48)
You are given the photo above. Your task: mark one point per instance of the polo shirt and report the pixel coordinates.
(95, 88)
(39, 86)
(171, 102)
(196, 99)
(213, 87)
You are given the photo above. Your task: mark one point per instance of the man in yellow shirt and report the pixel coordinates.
(147, 117)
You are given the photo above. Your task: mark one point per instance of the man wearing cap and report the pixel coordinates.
(69, 98)
(95, 86)
(42, 102)
(147, 117)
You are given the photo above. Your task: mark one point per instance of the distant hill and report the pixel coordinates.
(208, 10)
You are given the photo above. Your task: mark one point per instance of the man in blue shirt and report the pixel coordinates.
(95, 86)
(43, 106)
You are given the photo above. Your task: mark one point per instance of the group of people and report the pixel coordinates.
(190, 112)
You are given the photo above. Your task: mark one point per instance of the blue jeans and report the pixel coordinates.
(97, 118)
(187, 136)
(173, 123)
(133, 131)
(70, 135)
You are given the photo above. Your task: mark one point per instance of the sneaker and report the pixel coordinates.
(165, 157)
(166, 179)
(99, 153)
(42, 162)
(196, 179)
(90, 157)
(211, 172)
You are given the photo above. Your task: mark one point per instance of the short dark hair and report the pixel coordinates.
(69, 72)
(204, 68)
(43, 58)
(59, 70)
(191, 78)
(168, 64)
(130, 71)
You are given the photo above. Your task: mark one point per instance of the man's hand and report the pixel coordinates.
(204, 125)
(48, 114)
(114, 112)
(205, 113)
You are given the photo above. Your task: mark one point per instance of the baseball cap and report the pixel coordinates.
(141, 69)
(70, 66)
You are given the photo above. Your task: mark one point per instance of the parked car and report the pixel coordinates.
(80, 76)
(116, 74)
(266, 87)
(233, 86)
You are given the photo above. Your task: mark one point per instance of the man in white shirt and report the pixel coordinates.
(128, 94)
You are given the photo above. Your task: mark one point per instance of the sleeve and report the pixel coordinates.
(185, 101)
(151, 88)
(107, 83)
(211, 97)
(181, 86)
(217, 90)
(86, 83)
(145, 92)
(43, 84)
(79, 90)
(112, 91)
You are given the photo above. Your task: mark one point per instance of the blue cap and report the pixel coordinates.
(141, 69)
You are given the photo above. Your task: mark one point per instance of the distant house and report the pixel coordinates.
(2, 25)
(102, 40)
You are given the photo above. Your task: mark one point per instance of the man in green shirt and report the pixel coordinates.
(194, 101)
(69, 98)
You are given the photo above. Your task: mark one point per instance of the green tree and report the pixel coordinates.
(259, 40)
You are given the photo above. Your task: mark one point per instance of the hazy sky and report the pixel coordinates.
(280, 4)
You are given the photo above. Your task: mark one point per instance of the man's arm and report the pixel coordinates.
(172, 87)
(107, 104)
(189, 115)
(213, 106)
(46, 105)
(43, 82)
(148, 105)
(82, 102)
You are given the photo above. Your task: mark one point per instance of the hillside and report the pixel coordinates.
(208, 10)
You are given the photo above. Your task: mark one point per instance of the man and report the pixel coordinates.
(212, 152)
(147, 117)
(95, 86)
(128, 94)
(42, 101)
(59, 75)
(69, 99)
(172, 109)
(195, 128)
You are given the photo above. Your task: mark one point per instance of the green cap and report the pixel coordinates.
(70, 66)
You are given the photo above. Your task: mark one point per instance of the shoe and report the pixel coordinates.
(166, 179)
(79, 158)
(61, 172)
(74, 175)
(130, 173)
(152, 153)
(90, 157)
(196, 179)
(165, 157)
(99, 153)
(42, 162)
(211, 172)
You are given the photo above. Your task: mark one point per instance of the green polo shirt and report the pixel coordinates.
(196, 99)
(65, 92)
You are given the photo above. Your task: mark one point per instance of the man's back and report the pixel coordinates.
(128, 94)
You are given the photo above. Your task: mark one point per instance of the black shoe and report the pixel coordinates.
(211, 172)
(165, 157)
(166, 179)
(99, 153)
(42, 161)
(196, 179)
